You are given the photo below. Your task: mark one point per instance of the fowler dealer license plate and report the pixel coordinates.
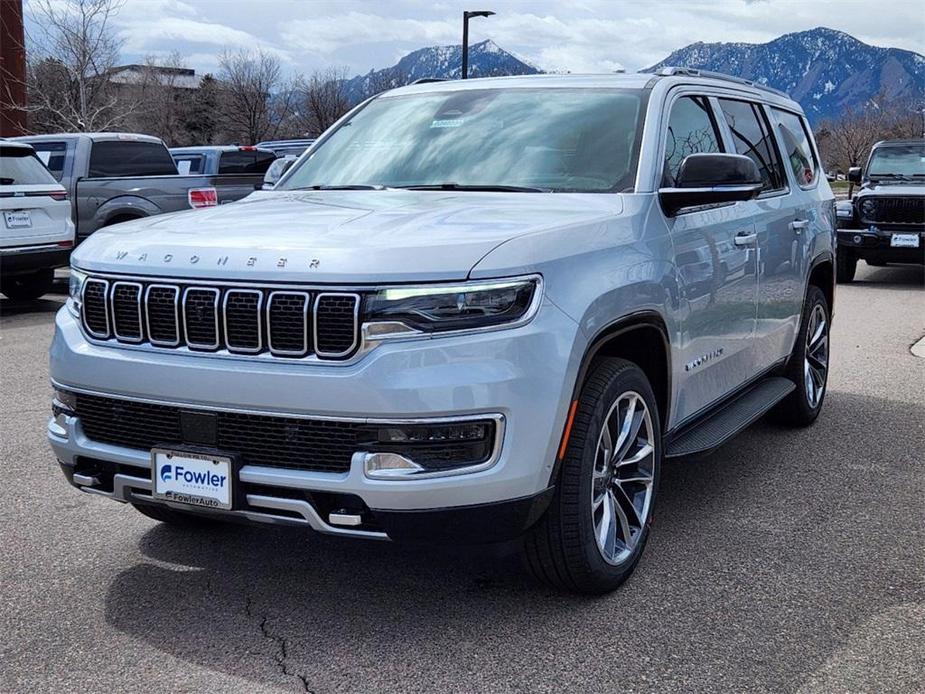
(192, 478)
(17, 220)
(904, 241)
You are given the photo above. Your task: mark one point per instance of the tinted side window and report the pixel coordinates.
(752, 137)
(52, 155)
(236, 162)
(122, 158)
(691, 130)
(264, 160)
(795, 143)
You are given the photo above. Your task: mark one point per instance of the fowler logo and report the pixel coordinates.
(181, 474)
(166, 473)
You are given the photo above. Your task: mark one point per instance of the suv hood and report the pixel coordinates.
(910, 188)
(349, 237)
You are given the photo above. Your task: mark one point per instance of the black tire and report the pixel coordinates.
(562, 549)
(797, 409)
(29, 286)
(173, 517)
(846, 264)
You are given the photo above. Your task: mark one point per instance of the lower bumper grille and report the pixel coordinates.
(302, 444)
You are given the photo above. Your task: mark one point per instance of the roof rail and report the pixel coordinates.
(428, 80)
(673, 71)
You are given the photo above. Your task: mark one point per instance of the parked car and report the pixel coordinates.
(37, 233)
(277, 169)
(223, 159)
(887, 215)
(117, 177)
(286, 147)
(455, 332)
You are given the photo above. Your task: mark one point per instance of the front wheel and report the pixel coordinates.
(846, 264)
(596, 527)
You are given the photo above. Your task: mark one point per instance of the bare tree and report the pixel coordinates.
(323, 101)
(257, 98)
(70, 62)
(165, 99)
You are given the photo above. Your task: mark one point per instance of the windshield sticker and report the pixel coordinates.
(447, 123)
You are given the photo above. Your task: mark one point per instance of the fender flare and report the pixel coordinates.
(133, 205)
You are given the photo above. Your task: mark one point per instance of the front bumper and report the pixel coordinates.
(525, 374)
(874, 244)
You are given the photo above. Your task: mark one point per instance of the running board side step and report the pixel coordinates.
(740, 412)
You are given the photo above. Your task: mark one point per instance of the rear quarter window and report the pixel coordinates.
(796, 145)
(125, 158)
(19, 167)
(245, 162)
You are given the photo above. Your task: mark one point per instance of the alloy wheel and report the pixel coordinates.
(623, 476)
(816, 362)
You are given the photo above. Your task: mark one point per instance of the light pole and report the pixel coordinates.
(465, 48)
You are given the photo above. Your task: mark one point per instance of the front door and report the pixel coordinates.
(716, 256)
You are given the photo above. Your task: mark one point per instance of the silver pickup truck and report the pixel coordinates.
(117, 177)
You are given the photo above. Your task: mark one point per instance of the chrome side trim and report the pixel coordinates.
(228, 345)
(176, 314)
(115, 322)
(83, 303)
(356, 316)
(306, 306)
(201, 345)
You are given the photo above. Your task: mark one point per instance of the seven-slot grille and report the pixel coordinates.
(897, 211)
(237, 319)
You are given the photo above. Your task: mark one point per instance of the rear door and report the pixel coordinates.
(777, 251)
(34, 209)
(714, 254)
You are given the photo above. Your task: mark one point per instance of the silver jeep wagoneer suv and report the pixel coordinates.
(473, 311)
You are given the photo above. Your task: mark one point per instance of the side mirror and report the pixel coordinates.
(710, 179)
(854, 174)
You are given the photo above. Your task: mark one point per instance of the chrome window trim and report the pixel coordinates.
(176, 314)
(356, 320)
(306, 309)
(228, 345)
(115, 322)
(199, 345)
(83, 303)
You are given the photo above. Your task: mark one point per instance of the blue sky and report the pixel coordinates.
(580, 35)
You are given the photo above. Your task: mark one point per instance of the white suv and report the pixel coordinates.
(36, 232)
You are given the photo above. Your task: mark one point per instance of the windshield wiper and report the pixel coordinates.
(355, 186)
(475, 188)
(901, 177)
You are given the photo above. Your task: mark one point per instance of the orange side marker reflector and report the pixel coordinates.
(568, 429)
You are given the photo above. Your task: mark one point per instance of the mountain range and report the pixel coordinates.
(825, 70)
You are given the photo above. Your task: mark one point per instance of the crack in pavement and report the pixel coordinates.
(282, 649)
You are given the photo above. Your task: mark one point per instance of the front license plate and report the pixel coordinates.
(904, 241)
(194, 479)
(17, 220)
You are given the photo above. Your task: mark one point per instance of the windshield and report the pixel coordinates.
(897, 160)
(579, 140)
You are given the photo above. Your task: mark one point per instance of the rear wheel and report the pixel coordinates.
(846, 264)
(173, 517)
(596, 527)
(808, 366)
(28, 286)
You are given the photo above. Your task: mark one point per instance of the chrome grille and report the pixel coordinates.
(239, 320)
(94, 311)
(126, 311)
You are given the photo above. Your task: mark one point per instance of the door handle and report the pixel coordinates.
(743, 239)
(799, 225)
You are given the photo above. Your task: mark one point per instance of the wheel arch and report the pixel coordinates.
(822, 275)
(640, 337)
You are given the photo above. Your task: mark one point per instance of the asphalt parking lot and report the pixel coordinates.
(789, 561)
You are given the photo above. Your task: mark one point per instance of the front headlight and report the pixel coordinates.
(442, 308)
(75, 287)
